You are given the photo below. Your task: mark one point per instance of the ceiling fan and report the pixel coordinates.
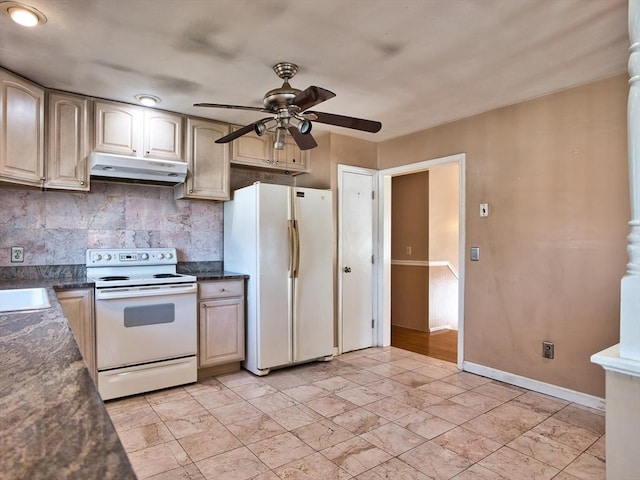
(288, 107)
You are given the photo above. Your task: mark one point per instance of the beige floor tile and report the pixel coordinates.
(294, 417)
(126, 419)
(362, 377)
(393, 439)
(235, 412)
(526, 417)
(219, 398)
(418, 398)
(356, 455)
(282, 380)
(255, 428)
(435, 461)
(123, 405)
(598, 448)
(166, 395)
(322, 434)
(466, 380)
(582, 417)
(570, 435)
(186, 472)
(467, 443)
(412, 379)
(499, 391)
(269, 475)
(518, 466)
(388, 387)
(393, 469)
(280, 450)
(476, 401)
(254, 390)
(206, 444)
(435, 371)
(390, 408)
(360, 395)
(386, 370)
(238, 464)
(145, 436)
(313, 467)
(362, 361)
(207, 385)
(452, 412)
(359, 420)
(565, 476)
(175, 409)
(495, 428)
(424, 424)
(442, 389)
(157, 459)
(544, 449)
(539, 402)
(335, 384)
(189, 425)
(272, 402)
(304, 393)
(235, 379)
(408, 363)
(587, 467)
(478, 472)
(330, 405)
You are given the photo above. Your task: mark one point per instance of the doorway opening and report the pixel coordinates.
(421, 276)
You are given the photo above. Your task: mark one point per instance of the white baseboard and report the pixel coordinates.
(440, 328)
(536, 385)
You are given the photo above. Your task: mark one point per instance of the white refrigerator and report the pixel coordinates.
(282, 237)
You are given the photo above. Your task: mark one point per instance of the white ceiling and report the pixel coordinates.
(411, 64)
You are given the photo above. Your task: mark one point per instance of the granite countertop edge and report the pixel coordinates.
(52, 414)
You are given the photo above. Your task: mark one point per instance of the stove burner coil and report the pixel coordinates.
(113, 278)
(166, 275)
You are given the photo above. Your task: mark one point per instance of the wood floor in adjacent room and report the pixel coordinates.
(442, 345)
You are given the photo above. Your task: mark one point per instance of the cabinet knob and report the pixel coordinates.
(191, 191)
(148, 153)
(222, 289)
(134, 151)
(81, 182)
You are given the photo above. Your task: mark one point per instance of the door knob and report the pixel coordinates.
(347, 269)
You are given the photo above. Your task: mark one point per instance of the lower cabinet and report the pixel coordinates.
(77, 306)
(221, 334)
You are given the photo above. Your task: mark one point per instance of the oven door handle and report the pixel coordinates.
(145, 291)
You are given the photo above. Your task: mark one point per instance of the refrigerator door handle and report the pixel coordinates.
(292, 247)
(297, 237)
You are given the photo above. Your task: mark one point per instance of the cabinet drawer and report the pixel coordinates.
(222, 288)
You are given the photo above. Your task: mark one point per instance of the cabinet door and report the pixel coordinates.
(118, 128)
(77, 306)
(291, 158)
(221, 331)
(67, 142)
(208, 162)
(163, 135)
(21, 131)
(251, 150)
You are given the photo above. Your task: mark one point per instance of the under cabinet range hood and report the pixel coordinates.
(107, 166)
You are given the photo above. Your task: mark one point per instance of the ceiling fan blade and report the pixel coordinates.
(311, 96)
(304, 140)
(235, 107)
(370, 126)
(236, 133)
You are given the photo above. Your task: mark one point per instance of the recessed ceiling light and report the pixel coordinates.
(147, 100)
(22, 14)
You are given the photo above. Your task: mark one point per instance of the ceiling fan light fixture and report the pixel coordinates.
(303, 126)
(278, 143)
(262, 126)
(147, 100)
(22, 14)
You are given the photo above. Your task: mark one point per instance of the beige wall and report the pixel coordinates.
(410, 229)
(554, 171)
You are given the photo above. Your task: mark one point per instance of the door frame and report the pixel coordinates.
(383, 270)
(374, 223)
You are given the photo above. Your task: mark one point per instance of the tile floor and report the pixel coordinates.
(380, 413)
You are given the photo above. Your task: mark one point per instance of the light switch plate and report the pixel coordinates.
(475, 254)
(484, 209)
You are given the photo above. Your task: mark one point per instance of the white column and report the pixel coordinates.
(622, 362)
(630, 285)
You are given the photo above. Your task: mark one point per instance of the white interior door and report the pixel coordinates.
(356, 224)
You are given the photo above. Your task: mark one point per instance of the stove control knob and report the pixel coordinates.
(169, 255)
(160, 255)
(97, 257)
(107, 257)
(144, 256)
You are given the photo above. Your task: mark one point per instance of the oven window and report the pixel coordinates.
(149, 314)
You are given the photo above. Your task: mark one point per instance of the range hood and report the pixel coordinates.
(107, 166)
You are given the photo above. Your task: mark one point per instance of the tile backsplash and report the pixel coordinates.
(56, 227)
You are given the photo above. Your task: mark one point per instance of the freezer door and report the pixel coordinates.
(273, 306)
(313, 285)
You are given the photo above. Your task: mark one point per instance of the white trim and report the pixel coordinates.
(610, 360)
(426, 263)
(374, 288)
(438, 329)
(384, 244)
(536, 385)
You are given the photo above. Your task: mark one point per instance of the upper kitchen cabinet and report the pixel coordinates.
(21, 131)
(136, 131)
(208, 162)
(254, 151)
(68, 143)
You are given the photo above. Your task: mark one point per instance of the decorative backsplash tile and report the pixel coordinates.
(56, 227)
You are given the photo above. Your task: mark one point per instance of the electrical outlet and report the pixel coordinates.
(547, 349)
(17, 254)
(475, 254)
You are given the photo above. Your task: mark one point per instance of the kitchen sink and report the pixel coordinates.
(15, 300)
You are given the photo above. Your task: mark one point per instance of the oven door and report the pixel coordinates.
(144, 324)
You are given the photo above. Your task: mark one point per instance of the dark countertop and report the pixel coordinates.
(54, 423)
